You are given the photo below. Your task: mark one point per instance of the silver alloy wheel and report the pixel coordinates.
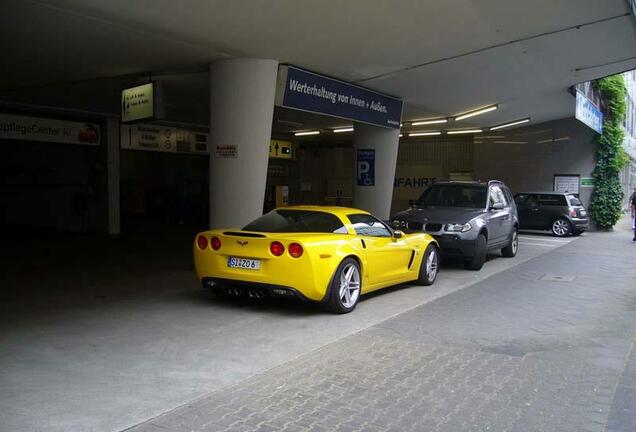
(349, 285)
(560, 227)
(515, 242)
(431, 265)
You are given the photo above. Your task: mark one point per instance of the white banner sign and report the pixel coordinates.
(566, 184)
(163, 139)
(48, 130)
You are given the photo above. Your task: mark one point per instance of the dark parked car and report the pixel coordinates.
(467, 219)
(561, 213)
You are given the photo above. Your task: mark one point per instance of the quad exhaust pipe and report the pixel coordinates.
(252, 293)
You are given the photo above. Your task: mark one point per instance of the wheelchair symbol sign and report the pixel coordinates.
(365, 167)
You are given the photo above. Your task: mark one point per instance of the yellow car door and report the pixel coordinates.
(387, 258)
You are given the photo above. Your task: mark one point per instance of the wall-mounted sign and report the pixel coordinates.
(48, 130)
(365, 163)
(280, 149)
(588, 113)
(568, 183)
(587, 181)
(162, 139)
(307, 91)
(138, 103)
(226, 151)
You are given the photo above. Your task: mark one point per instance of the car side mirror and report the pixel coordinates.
(397, 234)
(497, 206)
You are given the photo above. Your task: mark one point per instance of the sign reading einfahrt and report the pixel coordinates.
(307, 91)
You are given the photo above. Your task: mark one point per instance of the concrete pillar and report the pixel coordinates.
(241, 111)
(113, 175)
(375, 155)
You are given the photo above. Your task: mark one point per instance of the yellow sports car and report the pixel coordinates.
(330, 255)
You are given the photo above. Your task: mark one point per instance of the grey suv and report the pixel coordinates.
(468, 219)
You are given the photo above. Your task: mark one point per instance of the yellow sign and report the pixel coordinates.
(280, 149)
(137, 103)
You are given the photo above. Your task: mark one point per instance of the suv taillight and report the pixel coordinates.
(572, 213)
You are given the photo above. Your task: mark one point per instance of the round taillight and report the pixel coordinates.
(216, 243)
(277, 248)
(202, 242)
(295, 250)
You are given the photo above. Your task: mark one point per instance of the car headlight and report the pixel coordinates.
(457, 227)
(398, 223)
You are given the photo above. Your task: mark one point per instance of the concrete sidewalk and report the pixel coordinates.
(545, 346)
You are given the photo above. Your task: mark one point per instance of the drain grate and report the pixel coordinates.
(557, 278)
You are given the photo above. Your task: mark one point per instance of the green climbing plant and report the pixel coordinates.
(611, 158)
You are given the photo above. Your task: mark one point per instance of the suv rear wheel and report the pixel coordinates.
(511, 250)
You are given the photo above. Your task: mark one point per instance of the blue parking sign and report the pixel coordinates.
(365, 167)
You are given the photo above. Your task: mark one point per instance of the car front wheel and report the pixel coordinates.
(481, 248)
(429, 266)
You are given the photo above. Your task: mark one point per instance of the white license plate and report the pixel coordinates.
(243, 263)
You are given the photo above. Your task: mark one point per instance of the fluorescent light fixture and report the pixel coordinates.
(431, 133)
(476, 112)
(401, 135)
(513, 123)
(342, 130)
(511, 142)
(306, 133)
(429, 122)
(553, 140)
(466, 131)
(492, 136)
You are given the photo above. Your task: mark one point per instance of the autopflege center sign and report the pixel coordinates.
(306, 91)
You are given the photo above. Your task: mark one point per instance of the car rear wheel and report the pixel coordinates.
(561, 227)
(511, 250)
(481, 248)
(429, 266)
(344, 291)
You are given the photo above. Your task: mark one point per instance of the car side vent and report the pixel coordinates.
(243, 234)
(411, 260)
(364, 245)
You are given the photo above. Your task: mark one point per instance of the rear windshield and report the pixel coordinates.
(468, 196)
(574, 201)
(297, 221)
(552, 200)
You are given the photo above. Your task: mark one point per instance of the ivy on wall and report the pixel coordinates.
(611, 158)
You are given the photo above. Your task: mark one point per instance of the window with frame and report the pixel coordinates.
(367, 225)
(497, 196)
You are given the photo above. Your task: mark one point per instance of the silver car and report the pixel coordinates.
(468, 219)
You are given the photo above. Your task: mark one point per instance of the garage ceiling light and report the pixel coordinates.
(431, 133)
(429, 122)
(513, 123)
(511, 142)
(466, 131)
(342, 130)
(476, 112)
(306, 133)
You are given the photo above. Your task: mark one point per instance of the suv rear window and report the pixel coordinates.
(454, 195)
(297, 221)
(574, 201)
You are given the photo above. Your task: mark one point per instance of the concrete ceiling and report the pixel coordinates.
(442, 57)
